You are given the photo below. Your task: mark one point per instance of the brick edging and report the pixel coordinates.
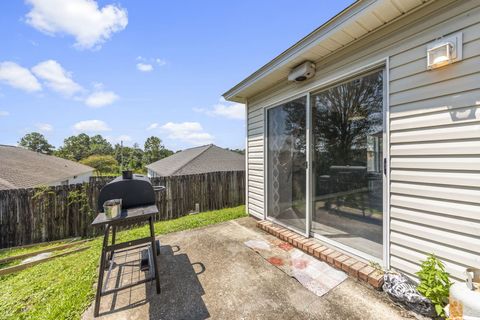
(353, 267)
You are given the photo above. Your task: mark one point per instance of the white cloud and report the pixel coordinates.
(97, 85)
(44, 127)
(83, 19)
(153, 126)
(91, 126)
(189, 132)
(56, 77)
(101, 98)
(144, 67)
(147, 64)
(232, 111)
(18, 77)
(160, 62)
(4, 113)
(224, 109)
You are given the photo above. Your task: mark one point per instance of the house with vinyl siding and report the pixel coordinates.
(376, 151)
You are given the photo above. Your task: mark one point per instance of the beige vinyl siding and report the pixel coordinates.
(435, 153)
(434, 120)
(255, 161)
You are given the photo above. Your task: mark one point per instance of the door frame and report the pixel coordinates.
(383, 64)
(385, 260)
(266, 165)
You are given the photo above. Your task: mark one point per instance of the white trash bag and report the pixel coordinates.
(403, 290)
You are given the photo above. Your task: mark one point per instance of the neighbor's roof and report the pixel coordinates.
(209, 158)
(22, 168)
(347, 27)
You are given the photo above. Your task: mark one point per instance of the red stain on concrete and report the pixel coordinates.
(299, 263)
(285, 246)
(276, 261)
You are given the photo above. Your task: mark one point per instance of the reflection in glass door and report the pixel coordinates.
(347, 130)
(286, 142)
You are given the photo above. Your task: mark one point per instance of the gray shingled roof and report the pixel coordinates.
(22, 168)
(209, 158)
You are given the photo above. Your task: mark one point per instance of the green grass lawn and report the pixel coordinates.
(63, 287)
(5, 253)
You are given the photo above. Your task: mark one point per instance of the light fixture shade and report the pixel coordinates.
(440, 55)
(444, 51)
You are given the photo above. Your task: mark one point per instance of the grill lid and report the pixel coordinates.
(134, 192)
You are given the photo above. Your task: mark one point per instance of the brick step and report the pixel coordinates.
(352, 266)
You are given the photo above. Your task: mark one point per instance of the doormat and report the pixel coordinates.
(317, 276)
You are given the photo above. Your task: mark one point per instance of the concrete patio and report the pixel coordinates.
(210, 273)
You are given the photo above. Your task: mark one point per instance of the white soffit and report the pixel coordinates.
(359, 19)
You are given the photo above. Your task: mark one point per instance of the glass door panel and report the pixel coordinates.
(286, 163)
(348, 163)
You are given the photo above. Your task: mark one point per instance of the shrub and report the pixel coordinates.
(434, 283)
(101, 164)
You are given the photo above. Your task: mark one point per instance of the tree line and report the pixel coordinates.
(96, 152)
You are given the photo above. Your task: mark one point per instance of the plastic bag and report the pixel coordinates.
(403, 290)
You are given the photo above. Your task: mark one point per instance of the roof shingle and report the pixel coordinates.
(22, 168)
(209, 158)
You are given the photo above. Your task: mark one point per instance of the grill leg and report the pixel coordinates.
(101, 269)
(114, 234)
(154, 256)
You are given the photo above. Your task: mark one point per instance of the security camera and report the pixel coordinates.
(302, 72)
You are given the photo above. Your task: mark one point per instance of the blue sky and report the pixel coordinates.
(131, 69)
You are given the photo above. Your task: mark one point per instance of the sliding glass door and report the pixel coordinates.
(286, 163)
(347, 132)
(346, 185)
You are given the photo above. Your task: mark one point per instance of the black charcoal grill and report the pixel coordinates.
(134, 190)
(138, 205)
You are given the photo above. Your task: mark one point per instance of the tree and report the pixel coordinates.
(100, 145)
(102, 164)
(135, 160)
(36, 142)
(121, 154)
(344, 116)
(82, 146)
(239, 151)
(164, 152)
(75, 147)
(154, 150)
(130, 157)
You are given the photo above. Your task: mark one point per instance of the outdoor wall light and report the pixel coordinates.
(444, 51)
(440, 55)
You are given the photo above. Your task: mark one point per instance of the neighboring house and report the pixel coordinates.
(204, 159)
(378, 153)
(22, 168)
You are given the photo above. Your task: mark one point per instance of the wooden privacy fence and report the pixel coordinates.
(52, 213)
